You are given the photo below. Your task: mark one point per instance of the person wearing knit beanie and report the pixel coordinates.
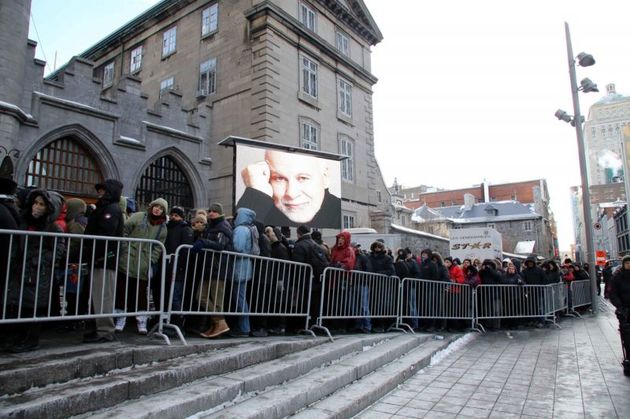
(216, 207)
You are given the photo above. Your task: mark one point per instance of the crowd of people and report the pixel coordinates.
(110, 275)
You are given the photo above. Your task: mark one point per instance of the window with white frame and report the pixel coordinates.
(346, 148)
(378, 196)
(308, 17)
(309, 134)
(527, 226)
(208, 77)
(345, 97)
(169, 41)
(166, 85)
(342, 42)
(348, 221)
(136, 60)
(309, 77)
(108, 75)
(209, 19)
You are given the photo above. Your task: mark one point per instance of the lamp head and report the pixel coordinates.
(585, 60)
(587, 86)
(563, 116)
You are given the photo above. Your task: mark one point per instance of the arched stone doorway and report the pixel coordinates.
(66, 166)
(164, 178)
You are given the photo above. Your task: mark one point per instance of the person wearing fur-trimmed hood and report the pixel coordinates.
(138, 266)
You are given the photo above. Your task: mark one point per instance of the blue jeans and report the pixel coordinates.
(364, 297)
(239, 296)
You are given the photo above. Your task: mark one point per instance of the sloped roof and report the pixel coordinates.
(424, 213)
(506, 211)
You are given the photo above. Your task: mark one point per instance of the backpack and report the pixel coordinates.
(317, 259)
(402, 269)
(255, 240)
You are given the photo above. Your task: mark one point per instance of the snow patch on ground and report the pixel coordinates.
(439, 356)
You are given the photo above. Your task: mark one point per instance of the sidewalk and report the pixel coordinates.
(572, 372)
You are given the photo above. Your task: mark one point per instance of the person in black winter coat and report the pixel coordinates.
(9, 220)
(490, 297)
(552, 272)
(534, 275)
(106, 220)
(281, 300)
(210, 292)
(31, 288)
(178, 232)
(382, 264)
(619, 294)
(428, 268)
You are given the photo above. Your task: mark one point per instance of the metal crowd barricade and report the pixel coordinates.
(221, 283)
(581, 294)
(496, 302)
(56, 276)
(559, 298)
(422, 299)
(359, 295)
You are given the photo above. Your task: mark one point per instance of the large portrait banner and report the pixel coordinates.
(288, 188)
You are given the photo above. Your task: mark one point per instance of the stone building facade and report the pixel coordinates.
(158, 95)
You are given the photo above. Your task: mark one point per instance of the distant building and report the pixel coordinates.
(523, 229)
(603, 146)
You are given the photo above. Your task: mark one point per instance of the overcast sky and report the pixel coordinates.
(467, 89)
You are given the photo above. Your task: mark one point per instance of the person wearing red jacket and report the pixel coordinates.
(342, 254)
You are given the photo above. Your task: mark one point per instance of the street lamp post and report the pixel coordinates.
(585, 60)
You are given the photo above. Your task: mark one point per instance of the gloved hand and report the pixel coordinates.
(197, 246)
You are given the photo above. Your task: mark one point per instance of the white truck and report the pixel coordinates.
(476, 243)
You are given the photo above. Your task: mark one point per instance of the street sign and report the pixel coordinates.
(600, 257)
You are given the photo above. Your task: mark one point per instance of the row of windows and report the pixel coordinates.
(308, 85)
(308, 18)
(309, 139)
(207, 73)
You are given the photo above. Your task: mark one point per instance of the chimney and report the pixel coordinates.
(469, 201)
(610, 89)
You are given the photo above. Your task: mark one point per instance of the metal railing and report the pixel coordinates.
(220, 283)
(362, 296)
(421, 299)
(55, 276)
(496, 302)
(59, 276)
(580, 293)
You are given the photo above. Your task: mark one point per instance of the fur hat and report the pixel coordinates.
(216, 207)
(199, 219)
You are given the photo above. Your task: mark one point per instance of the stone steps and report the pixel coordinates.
(120, 374)
(352, 377)
(216, 390)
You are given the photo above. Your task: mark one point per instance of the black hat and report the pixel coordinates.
(303, 229)
(179, 211)
(7, 186)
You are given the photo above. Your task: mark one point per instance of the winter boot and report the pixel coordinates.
(142, 324)
(219, 327)
(626, 367)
